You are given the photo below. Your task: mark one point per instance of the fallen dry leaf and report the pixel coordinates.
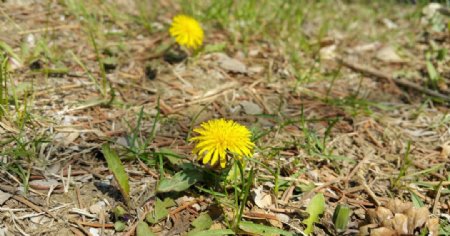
(383, 231)
(433, 226)
(261, 198)
(397, 206)
(400, 223)
(388, 54)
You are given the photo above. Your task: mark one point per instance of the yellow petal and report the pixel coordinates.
(215, 157)
(207, 157)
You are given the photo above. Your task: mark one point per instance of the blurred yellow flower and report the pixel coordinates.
(218, 137)
(186, 31)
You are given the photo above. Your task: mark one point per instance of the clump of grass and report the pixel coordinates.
(405, 164)
(20, 146)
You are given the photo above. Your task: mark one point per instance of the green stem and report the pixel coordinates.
(245, 192)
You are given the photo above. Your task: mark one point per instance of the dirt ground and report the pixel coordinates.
(359, 114)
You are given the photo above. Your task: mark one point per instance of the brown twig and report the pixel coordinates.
(95, 174)
(382, 75)
(147, 170)
(95, 224)
(436, 199)
(38, 209)
(27, 203)
(80, 202)
(356, 168)
(77, 232)
(33, 206)
(324, 185)
(184, 206)
(281, 210)
(259, 215)
(369, 191)
(287, 195)
(81, 227)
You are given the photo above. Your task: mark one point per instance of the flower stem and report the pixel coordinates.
(245, 192)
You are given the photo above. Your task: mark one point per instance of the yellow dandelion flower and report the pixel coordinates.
(218, 137)
(186, 31)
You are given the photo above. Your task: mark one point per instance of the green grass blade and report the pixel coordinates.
(264, 230)
(118, 170)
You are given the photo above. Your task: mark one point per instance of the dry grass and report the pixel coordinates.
(81, 74)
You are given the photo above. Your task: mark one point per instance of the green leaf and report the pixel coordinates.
(218, 47)
(160, 211)
(213, 232)
(9, 50)
(417, 202)
(341, 217)
(263, 230)
(233, 175)
(119, 226)
(142, 229)
(91, 103)
(116, 167)
(203, 222)
(315, 208)
(171, 156)
(305, 187)
(444, 228)
(432, 73)
(110, 60)
(179, 182)
(119, 212)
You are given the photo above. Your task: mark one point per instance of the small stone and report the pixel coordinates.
(230, 64)
(445, 150)
(283, 218)
(251, 108)
(389, 23)
(40, 220)
(94, 231)
(328, 53)
(360, 213)
(4, 196)
(122, 141)
(197, 207)
(97, 207)
(253, 52)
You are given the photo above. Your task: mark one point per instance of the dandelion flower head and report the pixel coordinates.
(186, 31)
(218, 137)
